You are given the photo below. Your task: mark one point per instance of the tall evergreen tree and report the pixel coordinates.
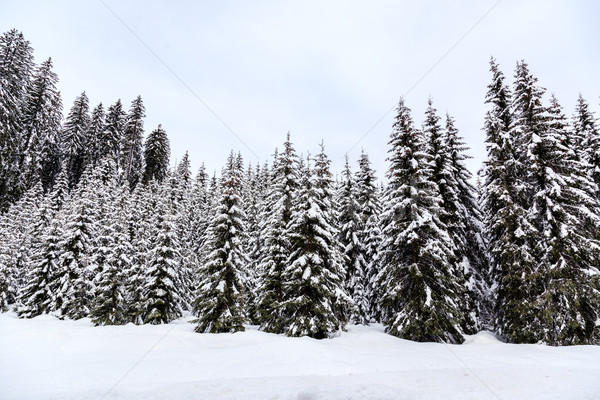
(277, 214)
(95, 146)
(586, 138)
(314, 303)
(467, 232)
(74, 285)
(421, 298)
(74, 138)
(156, 155)
(16, 67)
(111, 137)
(369, 233)
(567, 303)
(354, 249)
(504, 214)
(38, 297)
(219, 298)
(162, 293)
(42, 114)
(131, 159)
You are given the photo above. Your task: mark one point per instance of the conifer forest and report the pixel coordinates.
(94, 221)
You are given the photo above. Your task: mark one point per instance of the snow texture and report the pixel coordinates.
(45, 358)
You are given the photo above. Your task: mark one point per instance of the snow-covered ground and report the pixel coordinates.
(45, 358)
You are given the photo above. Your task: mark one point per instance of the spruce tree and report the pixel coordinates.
(354, 249)
(131, 158)
(467, 233)
(74, 139)
(111, 137)
(156, 156)
(16, 67)
(38, 296)
(112, 251)
(94, 150)
(420, 296)
(314, 303)
(277, 214)
(586, 138)
(74, 288)
(567, 302)
(42, 114)
(221, 291)
(369, 233)
(139, 217)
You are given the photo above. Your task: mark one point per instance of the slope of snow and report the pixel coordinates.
(45, 358)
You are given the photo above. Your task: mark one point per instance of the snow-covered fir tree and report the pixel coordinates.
(156, 156)
(567, 302)
(504, 215)
(218, 303)
(354, 249)
(369, 232)
(94, 150)
(16, 67)
(421, 299)
(163, 299)
(74, 138)
(111, 137)
(131, 157)
(277, 214)
(468, 232)
(73, 287)
(314, 302)
(586, 138)
(42, 114)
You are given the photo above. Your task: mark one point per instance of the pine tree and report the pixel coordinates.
(74, 287)
(468, 234)
(42, 114)
(74, 139)
(421, 298)
(567, 301)
(38, 297)
(16, 240)
(162, 293)
(16, 67)
(354, 249)
(369, 233)
(140, 230)
(95, 146)
(219, 298)
(131, 159)
(111, 137)
(314, 303)
(156, 155)
(112, 251)
(252, 200)
(586, 138)
(277, 214)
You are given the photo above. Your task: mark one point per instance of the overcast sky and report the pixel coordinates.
(319, 69)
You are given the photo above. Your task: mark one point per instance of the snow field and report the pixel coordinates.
(45, 358)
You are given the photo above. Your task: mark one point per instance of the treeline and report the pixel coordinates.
(97, 225)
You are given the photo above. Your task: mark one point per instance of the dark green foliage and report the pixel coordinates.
(131, 158)
(162, 296)
(277, 214)
(420, 296)
(156, 155)
(314, 302)
(16, 67)
(40, 142)
(220, 294)
(74, 139)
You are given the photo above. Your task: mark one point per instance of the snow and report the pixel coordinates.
(45, 358)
